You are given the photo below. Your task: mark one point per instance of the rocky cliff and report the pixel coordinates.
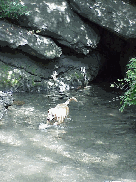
(65, 44)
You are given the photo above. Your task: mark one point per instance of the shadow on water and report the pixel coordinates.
(95, 144)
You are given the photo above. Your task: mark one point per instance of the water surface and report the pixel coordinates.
(96, 143)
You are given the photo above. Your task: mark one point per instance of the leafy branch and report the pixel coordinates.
(129, 97)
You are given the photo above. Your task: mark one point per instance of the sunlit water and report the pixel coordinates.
(96, 143)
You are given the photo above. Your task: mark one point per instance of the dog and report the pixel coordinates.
(59, 113)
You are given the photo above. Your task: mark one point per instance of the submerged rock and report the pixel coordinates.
(18, 102)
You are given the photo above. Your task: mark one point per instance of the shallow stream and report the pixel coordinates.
(96, 143)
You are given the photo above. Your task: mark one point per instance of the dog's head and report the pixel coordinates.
(51, 117)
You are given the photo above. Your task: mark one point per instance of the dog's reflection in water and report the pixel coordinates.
(59, 113)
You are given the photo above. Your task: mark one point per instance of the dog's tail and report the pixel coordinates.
(72, 98)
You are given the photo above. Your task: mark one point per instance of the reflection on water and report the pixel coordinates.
(95, 144)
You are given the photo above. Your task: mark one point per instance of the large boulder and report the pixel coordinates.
(34, 45)
(21, 73)
(64, 43)
(117, 16)
(17, 37)
(58, 21)
(49, 22)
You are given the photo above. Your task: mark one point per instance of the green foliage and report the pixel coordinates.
(78, 75)
(129, 97)
(12, 9)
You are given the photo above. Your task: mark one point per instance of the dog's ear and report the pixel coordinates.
(48, 111)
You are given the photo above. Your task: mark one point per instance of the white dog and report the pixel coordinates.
(59, 113)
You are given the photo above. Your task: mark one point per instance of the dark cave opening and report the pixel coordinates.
(110, 73)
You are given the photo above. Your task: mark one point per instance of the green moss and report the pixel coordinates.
(76, 75)
(12, 9)
(11, 77)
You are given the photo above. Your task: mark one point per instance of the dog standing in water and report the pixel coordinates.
(59, 113)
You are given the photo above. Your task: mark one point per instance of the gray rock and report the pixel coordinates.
(2, 109)
(118, 16)
(55, 47)
(21, 73)
(36, 45)
(49, 21)
(6, 100)
(42, 34)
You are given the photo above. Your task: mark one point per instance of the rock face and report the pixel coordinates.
(65, 44)
(28, 41)
(6, 100)
(118, 16)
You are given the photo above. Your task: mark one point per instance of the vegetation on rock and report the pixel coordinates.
(12, 9)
